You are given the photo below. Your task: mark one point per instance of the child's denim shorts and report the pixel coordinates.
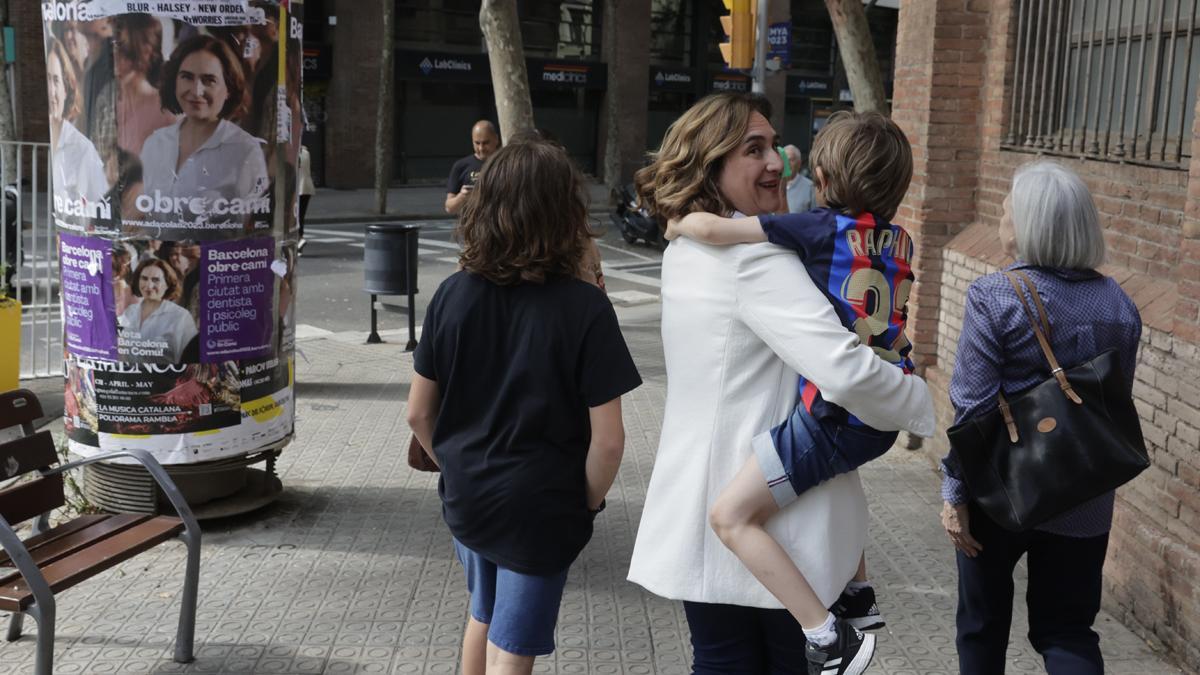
(803, 452)
(520, 609)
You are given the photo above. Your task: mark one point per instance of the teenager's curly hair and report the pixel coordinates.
(526, 218)
(682, 175)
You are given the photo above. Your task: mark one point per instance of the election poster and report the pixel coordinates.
(89, 323)
(175, 135)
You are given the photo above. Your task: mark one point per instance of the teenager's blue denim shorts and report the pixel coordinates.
(521, 610)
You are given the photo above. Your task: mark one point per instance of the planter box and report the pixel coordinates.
(10, 344)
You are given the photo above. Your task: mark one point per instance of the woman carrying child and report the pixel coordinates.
(739, 323)
(517, 392)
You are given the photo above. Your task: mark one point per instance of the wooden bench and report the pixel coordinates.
(54, 559)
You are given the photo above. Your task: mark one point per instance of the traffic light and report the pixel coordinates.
(739, 26)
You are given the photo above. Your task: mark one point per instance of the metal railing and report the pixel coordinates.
(1109, 80)
(29, 247)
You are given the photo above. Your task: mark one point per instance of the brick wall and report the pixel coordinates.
(937, 104)
(1152, 225)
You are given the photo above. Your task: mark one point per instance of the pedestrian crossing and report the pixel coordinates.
(349, 238)
(436, 243)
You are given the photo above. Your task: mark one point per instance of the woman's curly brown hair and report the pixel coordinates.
(682, 175)
(526, 218)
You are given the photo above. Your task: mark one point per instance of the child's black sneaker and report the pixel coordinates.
(859, 609)
(849, 654)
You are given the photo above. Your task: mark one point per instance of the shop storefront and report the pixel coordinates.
(440, 95)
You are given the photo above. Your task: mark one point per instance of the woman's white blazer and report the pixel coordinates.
(738, 324)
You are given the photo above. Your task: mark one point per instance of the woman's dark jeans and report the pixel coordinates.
(734, 640)
(1063, 598)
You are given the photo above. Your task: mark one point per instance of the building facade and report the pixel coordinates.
(607, 77)
(1109, 89)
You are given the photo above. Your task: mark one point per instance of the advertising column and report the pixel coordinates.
(175, 131)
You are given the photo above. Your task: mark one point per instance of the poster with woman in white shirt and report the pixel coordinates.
(78, 177)
(168, 130)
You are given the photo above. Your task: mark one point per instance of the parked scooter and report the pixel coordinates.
(633, 221)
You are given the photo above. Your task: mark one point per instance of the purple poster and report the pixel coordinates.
(237, 290)
(89, 315)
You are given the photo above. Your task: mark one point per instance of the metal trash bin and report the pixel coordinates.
(390, 268)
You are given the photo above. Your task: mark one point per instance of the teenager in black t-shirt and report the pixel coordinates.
(464, 173)
(519, 375)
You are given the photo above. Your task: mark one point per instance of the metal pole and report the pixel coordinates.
(1166, 104)
(411, 284)
(1120, 151)
(33, 242)
(1071, 84)
(1014, 123)
(1032, 131)
(1087, 76)
(1155, 88)
(759, 83)
(373, 338)
(1031, 26)
(412, 321)
(1046, 139)
(1187, 79)
(21, 236)
(1137, 100)
(1094, 148)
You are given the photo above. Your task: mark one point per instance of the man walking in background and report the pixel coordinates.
(485, 140)
(799, 188)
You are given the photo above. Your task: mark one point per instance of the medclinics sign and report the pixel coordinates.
(474, 68)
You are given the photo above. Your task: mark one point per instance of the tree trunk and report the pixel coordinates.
(858, 54)
(8, 126)
(506, 54)
(383, 110)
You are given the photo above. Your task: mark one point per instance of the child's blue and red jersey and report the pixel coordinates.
(863, 265)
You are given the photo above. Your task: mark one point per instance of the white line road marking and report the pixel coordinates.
(304, 330)
(336, 233)
(633, 278)
(625, 251)
(441, 244)
(355, 239)
(632, 298)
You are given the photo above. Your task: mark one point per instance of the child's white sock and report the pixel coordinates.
(825, 634)
(856, 586)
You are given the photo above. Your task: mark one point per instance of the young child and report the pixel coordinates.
(862, 165)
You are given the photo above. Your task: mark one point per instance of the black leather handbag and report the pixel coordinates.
(1069, 439)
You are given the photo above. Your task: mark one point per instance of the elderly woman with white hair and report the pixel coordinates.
(1051, 228)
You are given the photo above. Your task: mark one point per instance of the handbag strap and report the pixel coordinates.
(1055, 369)
(1037, 300)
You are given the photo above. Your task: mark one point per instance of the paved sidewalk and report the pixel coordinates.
(351, 571)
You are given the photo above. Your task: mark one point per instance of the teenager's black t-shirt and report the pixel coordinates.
(464, 172)
(517, 368)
